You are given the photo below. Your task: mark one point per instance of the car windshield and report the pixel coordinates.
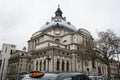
(95, 78)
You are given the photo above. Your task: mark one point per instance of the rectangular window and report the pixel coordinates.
(6, 50)
(93, 63)
(11, 52)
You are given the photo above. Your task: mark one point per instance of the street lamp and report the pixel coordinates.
(88, 71)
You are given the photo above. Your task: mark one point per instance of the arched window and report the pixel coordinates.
(69, 47)
(58, 64)
(44, 65)
(67, 66)
(63, 65)
(22, 54)
(64, 41)
(65, 47)
(40, 65)
(57, 40)
(36, 65)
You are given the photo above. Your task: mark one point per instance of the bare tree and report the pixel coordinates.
(106, 48)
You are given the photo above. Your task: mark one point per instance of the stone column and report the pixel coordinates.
(70, 68)
(42, 67)
(34, 65)
(52, 60)
(73, 62)
(65, 64)
(60, 67)
(38, 64)
(46, 65)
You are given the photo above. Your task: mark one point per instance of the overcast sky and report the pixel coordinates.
(19, 19)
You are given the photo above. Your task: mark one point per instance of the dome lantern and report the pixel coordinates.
(58, 12)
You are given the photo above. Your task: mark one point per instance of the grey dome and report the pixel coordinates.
(62, 23)
(58, 20)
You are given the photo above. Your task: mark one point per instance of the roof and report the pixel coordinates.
(57, 21)
(17, 54)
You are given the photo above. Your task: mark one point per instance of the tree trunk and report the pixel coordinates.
(109, 71)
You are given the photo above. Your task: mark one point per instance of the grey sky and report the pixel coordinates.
(19, 19)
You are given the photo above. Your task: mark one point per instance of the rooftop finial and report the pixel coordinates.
(58, 5)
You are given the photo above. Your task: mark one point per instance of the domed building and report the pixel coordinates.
(59, 47)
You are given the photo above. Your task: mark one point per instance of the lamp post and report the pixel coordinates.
(88, 71)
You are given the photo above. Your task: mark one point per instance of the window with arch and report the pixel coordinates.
(58, 64)
(36, 65)
(44, 53)
(69, 47)
(67, 66)
(65, 47)
(63, 65)
(64, 41)
(78, 48)
(40, 65)
(57, 40)
(44, 65)
(22, 54)
(37, 54)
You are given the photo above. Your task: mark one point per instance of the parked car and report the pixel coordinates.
(36, 75)
(96, 78)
